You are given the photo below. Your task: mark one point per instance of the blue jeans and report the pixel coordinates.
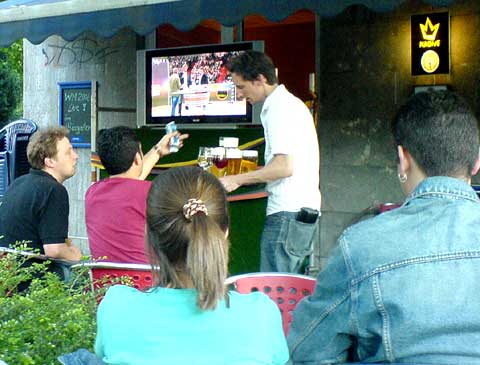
(80, 357)
(175, 100)
(286, 242)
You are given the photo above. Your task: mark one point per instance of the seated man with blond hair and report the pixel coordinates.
(35, 208)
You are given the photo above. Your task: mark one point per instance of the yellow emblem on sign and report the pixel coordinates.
(430, 61)
(429, 31)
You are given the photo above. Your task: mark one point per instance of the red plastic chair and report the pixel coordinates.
(140, 274)
(284, 289)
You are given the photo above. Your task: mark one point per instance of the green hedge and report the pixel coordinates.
(47, 320)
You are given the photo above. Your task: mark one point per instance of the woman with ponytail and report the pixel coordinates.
(188, 317)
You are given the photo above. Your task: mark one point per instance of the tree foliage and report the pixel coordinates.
(9, 93)
(11, 71)
(14, 58)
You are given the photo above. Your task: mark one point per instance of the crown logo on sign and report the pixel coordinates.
(429, 31)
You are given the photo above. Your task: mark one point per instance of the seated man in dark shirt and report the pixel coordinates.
(35, 207)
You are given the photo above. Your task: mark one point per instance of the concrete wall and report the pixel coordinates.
(365, 77)
(112, 63)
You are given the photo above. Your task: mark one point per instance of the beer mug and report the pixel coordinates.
(249, 161)
(234, 159)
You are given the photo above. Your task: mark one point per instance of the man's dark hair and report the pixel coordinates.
(251, 64)
(440, 131)
(116, 148)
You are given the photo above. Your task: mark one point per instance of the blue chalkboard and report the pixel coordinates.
(75, 111)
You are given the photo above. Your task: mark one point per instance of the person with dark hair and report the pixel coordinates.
(292, 163)
(115, 207)
(188, 317)
(35, 207)
(402, 287)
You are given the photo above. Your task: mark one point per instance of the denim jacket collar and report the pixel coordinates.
(443, 187)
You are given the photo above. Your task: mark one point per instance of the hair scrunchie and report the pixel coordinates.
(192, 207)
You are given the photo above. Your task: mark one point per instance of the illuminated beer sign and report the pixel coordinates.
(430, 44)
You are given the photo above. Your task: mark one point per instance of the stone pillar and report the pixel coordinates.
(112, 63)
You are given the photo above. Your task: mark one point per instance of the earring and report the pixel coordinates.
(403, 178)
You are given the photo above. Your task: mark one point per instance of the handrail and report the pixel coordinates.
(33, 255)
(24, 253)
(113, 265)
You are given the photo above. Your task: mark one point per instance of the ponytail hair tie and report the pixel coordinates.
(192, 207)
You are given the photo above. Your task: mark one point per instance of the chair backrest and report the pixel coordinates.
(18, 163)
(4, 176)
(286, 290)
(104, 272)
(14, 139)
(10, 131)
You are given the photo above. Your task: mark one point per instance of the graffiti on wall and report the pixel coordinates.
(81, 51)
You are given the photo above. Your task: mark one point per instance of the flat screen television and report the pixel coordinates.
(191, 86)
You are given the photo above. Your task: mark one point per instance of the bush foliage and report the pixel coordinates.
(48, 319)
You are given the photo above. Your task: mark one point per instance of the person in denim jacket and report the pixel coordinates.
(404, 286)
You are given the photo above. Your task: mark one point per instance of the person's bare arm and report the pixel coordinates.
(279, 167)
(162, 148)
(62, 251)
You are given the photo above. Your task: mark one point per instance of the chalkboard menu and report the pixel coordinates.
(75, 106)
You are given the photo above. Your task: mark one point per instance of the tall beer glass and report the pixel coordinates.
(249, 161)
(234, 158)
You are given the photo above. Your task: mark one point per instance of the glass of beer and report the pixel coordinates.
(234, 159)
(204, 159)
(249, 161)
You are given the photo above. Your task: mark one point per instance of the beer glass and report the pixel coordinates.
(249, 161)
(234, 159)
(204, 159)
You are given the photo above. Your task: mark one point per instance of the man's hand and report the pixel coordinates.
(163, 146)
(230, 183)
(62, 251)
(279, 167)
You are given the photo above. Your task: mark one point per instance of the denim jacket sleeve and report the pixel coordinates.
(322, 324)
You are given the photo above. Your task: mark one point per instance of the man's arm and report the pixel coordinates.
(279, 167)
(322, 327)
(62, 251)
(162, 148)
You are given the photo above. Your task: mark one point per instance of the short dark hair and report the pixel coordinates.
(251, 64)
(116, 148)
(440, 131)
(194, 247)
(43, 144)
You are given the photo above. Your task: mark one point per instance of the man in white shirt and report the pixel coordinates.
(291, 169)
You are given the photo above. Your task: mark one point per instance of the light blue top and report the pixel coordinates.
(402, 287)
(164, 326)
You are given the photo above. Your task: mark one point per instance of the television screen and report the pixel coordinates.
(191, 85)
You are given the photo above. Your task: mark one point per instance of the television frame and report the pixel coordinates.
(144, 89)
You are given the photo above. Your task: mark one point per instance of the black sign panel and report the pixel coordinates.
(75, 106)
(430, 43)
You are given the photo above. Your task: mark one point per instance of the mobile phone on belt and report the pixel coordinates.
(307, 215)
